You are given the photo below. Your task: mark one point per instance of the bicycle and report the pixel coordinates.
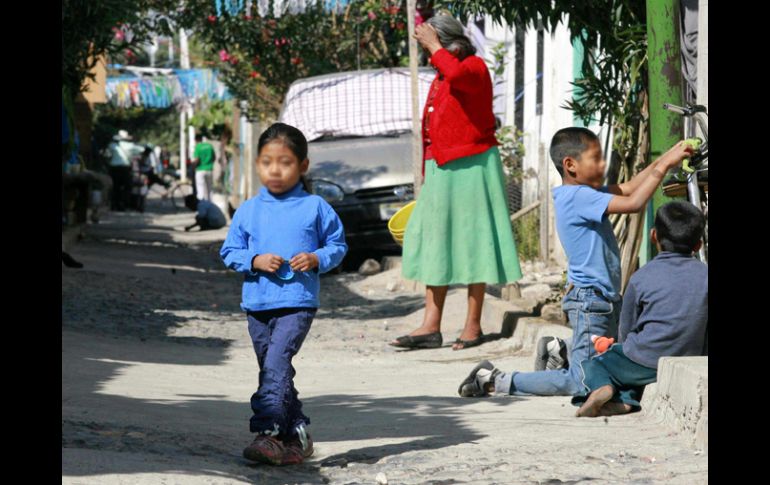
(177, 191)
(696, 185)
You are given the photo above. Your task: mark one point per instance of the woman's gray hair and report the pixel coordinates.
(452, 36)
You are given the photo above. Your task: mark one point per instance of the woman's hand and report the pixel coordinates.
(427, 37)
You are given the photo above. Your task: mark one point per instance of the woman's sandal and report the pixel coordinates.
(466, 344)
(428, 341)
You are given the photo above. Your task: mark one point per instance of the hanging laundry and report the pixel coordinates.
(164, 91)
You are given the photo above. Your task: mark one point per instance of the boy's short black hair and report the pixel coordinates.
(679, 226)
(191, 202)
(570, 142)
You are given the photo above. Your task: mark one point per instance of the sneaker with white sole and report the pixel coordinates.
(475, 385)
(551, 354)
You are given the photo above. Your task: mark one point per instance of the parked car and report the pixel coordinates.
(360, 147)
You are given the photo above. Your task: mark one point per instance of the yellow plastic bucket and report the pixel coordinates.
(397, 223)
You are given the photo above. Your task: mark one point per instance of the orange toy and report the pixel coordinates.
(601, 344)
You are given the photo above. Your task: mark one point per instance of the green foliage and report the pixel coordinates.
(259, 57)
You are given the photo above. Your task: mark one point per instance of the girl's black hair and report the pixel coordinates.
(292, 138)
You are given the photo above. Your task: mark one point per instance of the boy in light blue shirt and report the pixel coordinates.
(592, 303)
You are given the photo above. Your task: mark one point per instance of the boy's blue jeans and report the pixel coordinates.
(615, 369)
(277, 336)
(589, 313)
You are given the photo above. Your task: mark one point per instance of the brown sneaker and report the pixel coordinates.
(265, 449)
(292, 454)
(301, 443)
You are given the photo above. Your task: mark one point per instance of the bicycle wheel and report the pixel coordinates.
(178, 193)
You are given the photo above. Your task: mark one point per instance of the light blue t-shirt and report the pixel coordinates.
(586, 234)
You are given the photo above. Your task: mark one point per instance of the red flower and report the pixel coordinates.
(233, 60)
(247, 17)
(255, 61)
(212, 19)
(253, 75)
(224, 56)
(372, 16)
(296, 61)
(400, 26)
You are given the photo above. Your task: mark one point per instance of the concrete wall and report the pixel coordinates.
(679, 399)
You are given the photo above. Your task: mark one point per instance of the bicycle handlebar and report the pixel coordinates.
(689, 110)
(674, 108)
(696, 111)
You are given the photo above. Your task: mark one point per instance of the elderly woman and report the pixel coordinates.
(459, 231)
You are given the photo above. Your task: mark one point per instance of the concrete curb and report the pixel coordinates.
(679, 399)
(530, 330)
(507, 313)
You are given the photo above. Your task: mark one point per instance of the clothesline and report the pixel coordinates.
(163, 91)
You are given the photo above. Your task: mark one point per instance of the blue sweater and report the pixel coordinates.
(665, 309)
(285, 225)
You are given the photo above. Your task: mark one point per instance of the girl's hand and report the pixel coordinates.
(427, 37)
(304, 262)
(268, 263)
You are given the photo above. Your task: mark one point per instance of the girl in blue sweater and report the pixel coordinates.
(281, 240)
